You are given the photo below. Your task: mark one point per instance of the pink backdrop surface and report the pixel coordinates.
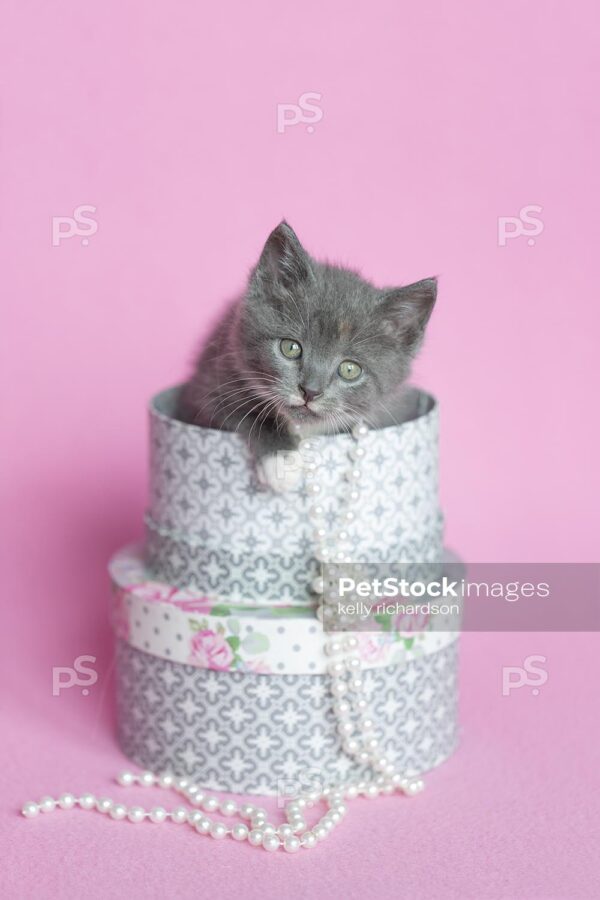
(433, 121)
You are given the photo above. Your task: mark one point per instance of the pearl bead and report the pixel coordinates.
(198, 798)
(314, 488)
(350, 643)
(47, 804)
(359, 431)
(285, 831)
(147, 779)
(308, 839)
(415, 787)
(193, 791)
(210, 804)
(291, 845)
(193, 816)
(320, 832)
(332, 648)
(118, 811)
(318, 585)
(66, 801)
(246, 811)
(179, 815)
(126, 778)
(239, 832)
(298, 825)
(181, 784)
(203, 825)
(339, 688)
(342, 809)
(372, 791)
(158, 814)
(103, 804)
(229, 807)
(255, 837)
(351, 746)
(356, 684)
(399, 781)
(87, 801)
(270, 842)
(316, 510)
(136, 814)
(30, 809)
(167, 780)
(327, 823)
(352, 792)
(218, 830)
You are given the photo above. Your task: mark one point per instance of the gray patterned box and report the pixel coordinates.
(218, 544)
(211, 526)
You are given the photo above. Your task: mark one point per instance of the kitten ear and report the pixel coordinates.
(284, 262)
(406, 310)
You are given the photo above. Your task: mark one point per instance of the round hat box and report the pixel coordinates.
(221, 674)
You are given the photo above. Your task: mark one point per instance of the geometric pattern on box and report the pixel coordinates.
(213, 532)
(250, 733)
(209, 525)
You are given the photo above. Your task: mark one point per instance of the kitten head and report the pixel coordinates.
(328, 344)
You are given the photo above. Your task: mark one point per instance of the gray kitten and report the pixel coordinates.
(311, 348)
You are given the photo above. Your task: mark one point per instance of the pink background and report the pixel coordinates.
(438, 118)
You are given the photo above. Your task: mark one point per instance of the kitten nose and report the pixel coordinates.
(308, 393)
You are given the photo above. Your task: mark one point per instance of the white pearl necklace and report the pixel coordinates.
(353, 723)
(347, 686)
(291, 835)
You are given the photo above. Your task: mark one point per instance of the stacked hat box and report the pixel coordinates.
(221, 674)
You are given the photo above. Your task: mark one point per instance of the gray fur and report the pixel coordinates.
(244, 383)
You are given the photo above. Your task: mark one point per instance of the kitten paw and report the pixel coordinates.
(281, 471)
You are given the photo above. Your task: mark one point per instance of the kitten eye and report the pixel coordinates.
(349, 370)
(290, 349)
